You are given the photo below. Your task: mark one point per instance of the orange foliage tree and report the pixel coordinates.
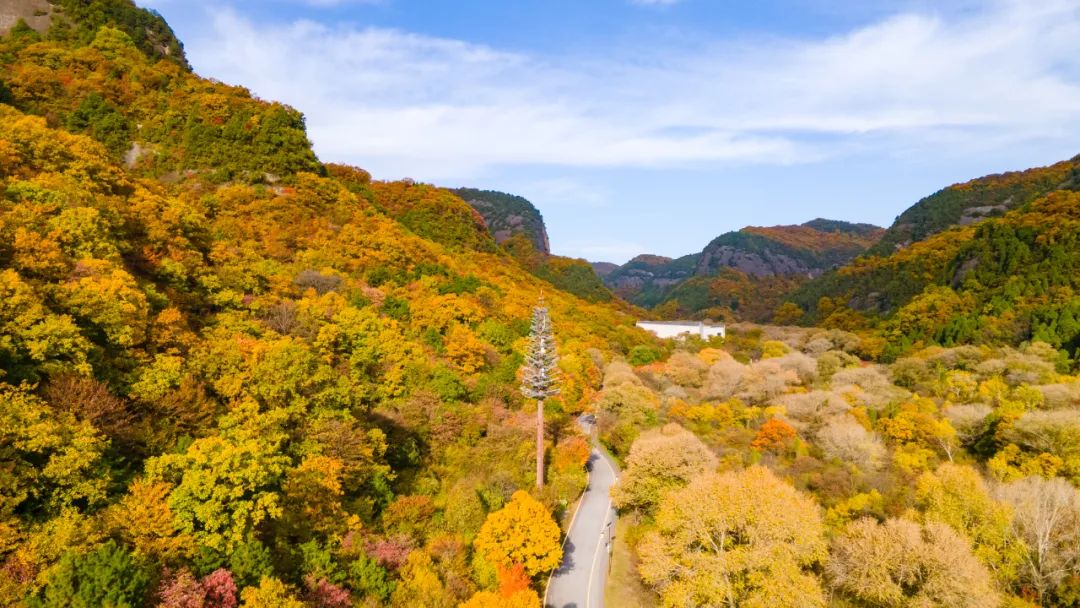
(773, 434)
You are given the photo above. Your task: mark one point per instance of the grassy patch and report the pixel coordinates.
(624, 588)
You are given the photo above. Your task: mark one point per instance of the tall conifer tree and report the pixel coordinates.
(540, 375)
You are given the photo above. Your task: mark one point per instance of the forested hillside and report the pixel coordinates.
(233, 374)
(969, 202)
(1003, 280)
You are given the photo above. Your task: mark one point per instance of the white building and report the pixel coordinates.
(672, 329)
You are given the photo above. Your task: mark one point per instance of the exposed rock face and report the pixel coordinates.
(807, 249)
(779, 256)
(36, 13)
(766, 263)
(507, 215)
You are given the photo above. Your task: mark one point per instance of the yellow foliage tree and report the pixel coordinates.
(465, 349)
(271, 593)
(526, 598)
(143, 519)
(522, 532)
(900, 563)
(742, 539)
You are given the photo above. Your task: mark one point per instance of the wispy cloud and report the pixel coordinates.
(402, 104)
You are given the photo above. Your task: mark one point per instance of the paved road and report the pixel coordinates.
(579, 581)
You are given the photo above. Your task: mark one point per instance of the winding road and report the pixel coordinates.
(579, 580)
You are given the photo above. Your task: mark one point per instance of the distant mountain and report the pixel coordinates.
(645, 279)
(1004, 276)
(742, 274)
(507, 215)
(602, 269)
(517, 226)
(807, 249)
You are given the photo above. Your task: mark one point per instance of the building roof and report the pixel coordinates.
(680, 323)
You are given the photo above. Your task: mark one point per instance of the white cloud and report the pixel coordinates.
(402, 104)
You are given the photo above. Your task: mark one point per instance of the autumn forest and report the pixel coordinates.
(235, 375)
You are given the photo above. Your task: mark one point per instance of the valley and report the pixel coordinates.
(234, 374)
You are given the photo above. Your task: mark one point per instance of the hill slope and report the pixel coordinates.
(646, 278)
(972, 201)
(1004, 279)
(79, 20)
(333, 356)
(518, 227)
(807, 249)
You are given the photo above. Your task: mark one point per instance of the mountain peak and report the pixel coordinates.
(81, 19)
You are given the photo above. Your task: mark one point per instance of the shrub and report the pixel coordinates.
(643, 355)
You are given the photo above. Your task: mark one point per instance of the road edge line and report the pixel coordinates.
(573, 518)
(599, 543)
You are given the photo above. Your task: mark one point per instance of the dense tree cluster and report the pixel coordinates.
(779, 469)
(232, 376)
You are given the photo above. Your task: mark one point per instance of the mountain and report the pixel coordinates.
(191, 299)
(603, 269)
(1007, 278)
(507, 215)
(807, 249)
(517, 226)
(978, 199)
(80, 20)
(646, 278)
(742, 274)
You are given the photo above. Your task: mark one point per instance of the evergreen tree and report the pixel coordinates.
(540, 376)
(108, 576)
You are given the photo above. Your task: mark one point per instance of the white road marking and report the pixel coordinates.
(600, 540)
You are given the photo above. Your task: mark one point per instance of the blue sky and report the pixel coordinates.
(656, 125)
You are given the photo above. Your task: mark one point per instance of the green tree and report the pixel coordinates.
(101, 120)
(227, 485)
(108, 577)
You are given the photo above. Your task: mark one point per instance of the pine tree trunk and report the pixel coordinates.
(540, 444)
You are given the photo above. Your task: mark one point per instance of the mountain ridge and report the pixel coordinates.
(779, 257)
